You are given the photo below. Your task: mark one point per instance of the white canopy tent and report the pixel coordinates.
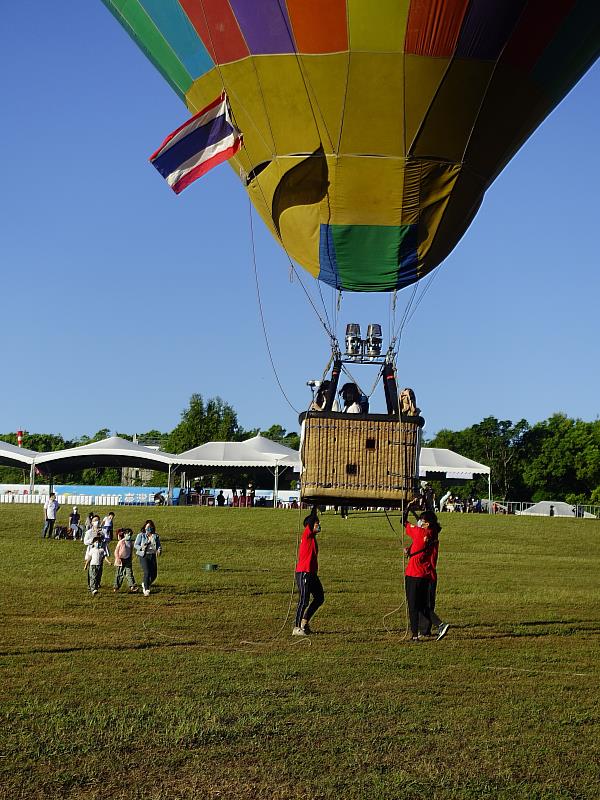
(256, 451)
(251, 453)
(453, 465)
(13, 456)
(111, 452)
(20, 457)
(559, 508)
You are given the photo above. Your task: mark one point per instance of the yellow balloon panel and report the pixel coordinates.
(373, 113)
(378, 26)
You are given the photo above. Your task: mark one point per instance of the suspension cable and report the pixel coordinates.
(262, 318)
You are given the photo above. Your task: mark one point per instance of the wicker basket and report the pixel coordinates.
(359, 459)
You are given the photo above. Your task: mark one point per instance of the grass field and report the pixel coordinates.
(199, 691)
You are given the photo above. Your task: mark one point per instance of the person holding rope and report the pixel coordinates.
(307, 578)
(425, 625)
(419, 572)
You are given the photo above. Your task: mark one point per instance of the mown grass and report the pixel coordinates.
(198, 691)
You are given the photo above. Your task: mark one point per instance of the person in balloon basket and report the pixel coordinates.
(148, 548)
(419, 573)
(309, 586)
(95, 556)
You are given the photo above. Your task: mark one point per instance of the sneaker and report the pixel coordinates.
(415, 640)
(307, 629)
(133, 590)
(94, 591)
(146, 592)
(442, 630)
(299, 632)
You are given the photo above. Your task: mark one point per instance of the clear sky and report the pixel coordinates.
(119, 299)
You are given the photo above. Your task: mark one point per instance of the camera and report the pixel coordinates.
(313, 384)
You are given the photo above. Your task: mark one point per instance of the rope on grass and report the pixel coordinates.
(403, 603)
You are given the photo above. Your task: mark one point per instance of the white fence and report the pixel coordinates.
(129, 499)
(518, 506)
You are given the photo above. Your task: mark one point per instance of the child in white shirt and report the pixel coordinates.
(95, 555)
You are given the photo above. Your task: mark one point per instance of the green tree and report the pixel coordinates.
(203, 422)
(103, 433)
(276, 433)
(500, 444)
(564, 459)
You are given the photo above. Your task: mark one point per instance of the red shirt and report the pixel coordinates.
(307, 552)
(419, 565)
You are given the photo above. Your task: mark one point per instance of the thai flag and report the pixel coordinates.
(207, 139)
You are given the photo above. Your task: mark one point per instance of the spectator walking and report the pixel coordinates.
(107, 528)
(93, 531)
(95, 555)
(148, 548)
(123, 560)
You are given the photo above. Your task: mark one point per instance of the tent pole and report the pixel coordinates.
(490, 492)
(276, 487)
(169, 486)
(31, 478)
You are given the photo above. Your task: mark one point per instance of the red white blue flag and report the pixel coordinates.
(207, 139)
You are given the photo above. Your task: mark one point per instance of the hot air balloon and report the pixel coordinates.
(371, 129)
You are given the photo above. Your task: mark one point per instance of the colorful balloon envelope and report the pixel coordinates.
(372, 128)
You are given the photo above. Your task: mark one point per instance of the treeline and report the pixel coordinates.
(202, 421)
(558, 459)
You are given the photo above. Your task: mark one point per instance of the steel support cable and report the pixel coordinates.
(262, 317)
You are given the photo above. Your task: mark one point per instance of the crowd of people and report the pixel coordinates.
(420, 571)
(453, 503)
(97, 535)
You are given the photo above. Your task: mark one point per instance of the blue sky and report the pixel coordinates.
(120, 299)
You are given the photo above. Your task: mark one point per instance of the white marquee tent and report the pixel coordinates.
(251, 453)
(560, 509)
(13, 456)
(111, 452)
(257, 452)
(433, 460)
(254, 452)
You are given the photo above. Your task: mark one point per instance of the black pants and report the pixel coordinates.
(149, 569)
(417, 597)
(424, 624)
(48, 528)
(308, 584)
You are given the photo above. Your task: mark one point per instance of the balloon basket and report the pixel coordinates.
(361, 460)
